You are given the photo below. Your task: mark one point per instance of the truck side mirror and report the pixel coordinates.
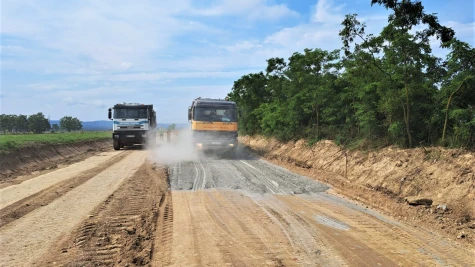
(189, 113)
(110, 114)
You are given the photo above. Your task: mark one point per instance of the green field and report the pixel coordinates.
(14, 141)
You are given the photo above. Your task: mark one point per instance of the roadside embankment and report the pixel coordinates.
(40, 157)
(430, 187)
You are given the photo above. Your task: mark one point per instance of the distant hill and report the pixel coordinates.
(91, 125)
(107, 125)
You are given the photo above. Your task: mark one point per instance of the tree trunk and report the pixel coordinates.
(408, 128)
(447, 109)
(318, 125)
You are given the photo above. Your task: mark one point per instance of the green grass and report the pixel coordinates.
(15, 141)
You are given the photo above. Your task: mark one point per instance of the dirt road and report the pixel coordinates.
(248, 212)
(119, 209)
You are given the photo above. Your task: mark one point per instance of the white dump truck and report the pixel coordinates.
(133, 123)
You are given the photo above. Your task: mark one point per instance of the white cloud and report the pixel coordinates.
(126, 65)
(327, 13)
(307, 35)
(45, 87)
(84, 103)
(13, 49)
(103, 34)
(85, 52)
(243, 46)
(250, 9)
(463, 31)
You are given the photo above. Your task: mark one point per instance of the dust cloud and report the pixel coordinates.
(180, 148)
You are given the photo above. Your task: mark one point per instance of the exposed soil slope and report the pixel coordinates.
(46, 157)
(388, 178)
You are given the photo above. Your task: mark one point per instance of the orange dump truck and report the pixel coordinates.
(214, 125)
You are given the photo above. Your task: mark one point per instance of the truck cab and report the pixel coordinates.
(214, 125)
(133, 123)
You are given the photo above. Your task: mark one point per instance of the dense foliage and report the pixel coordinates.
(378, 89)
(36, 123)
(69, 123)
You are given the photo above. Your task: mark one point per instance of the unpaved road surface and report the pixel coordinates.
(118, 208)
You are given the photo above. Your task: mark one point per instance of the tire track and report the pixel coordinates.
(183, 235)
(27, 239)
(23, 207)
(250, 171)
(17, 192)
(162, 245)
(197, 182)
(121, 229)
(391, 240)
(313, 249)
(200, 176)
(254, 225)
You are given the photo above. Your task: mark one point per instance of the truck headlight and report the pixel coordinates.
(144, 135)
(231, 144)
(199, 144)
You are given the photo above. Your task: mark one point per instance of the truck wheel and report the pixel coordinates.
(116, 145)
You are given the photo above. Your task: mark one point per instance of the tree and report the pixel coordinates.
(411, 50)
(387, 89)
(3, 123)
(7, 122)
(55, 127)
(69, 123)
(37, 123)
(406, 60)
(458, 85)
(250, 91)
(21, 123)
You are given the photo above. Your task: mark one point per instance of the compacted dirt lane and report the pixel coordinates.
(248, 212)
(123, 209)
(25, 240)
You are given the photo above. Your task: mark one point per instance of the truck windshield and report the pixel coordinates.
(215, 114)
(130, 113)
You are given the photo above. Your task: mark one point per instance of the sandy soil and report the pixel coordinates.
(121, 230)
(24, 241)
(256, 225)
(232, 228)
(123, 209)
(384, 179)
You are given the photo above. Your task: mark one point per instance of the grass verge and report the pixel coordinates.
(15, 141)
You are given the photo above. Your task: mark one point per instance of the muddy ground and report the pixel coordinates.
(389, 178)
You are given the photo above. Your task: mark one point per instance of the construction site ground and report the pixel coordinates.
(126, 208)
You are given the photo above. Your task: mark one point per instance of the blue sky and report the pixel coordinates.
(80, 57)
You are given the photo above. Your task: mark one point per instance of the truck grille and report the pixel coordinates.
(130, 127)
(214, 135)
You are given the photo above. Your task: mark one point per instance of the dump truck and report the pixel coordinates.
(214, 125)
(133, 123)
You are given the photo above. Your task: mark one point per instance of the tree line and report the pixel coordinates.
(36, 123)
(378, 90)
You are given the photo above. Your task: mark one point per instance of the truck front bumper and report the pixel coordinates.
(217, 145)
(130, 137)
